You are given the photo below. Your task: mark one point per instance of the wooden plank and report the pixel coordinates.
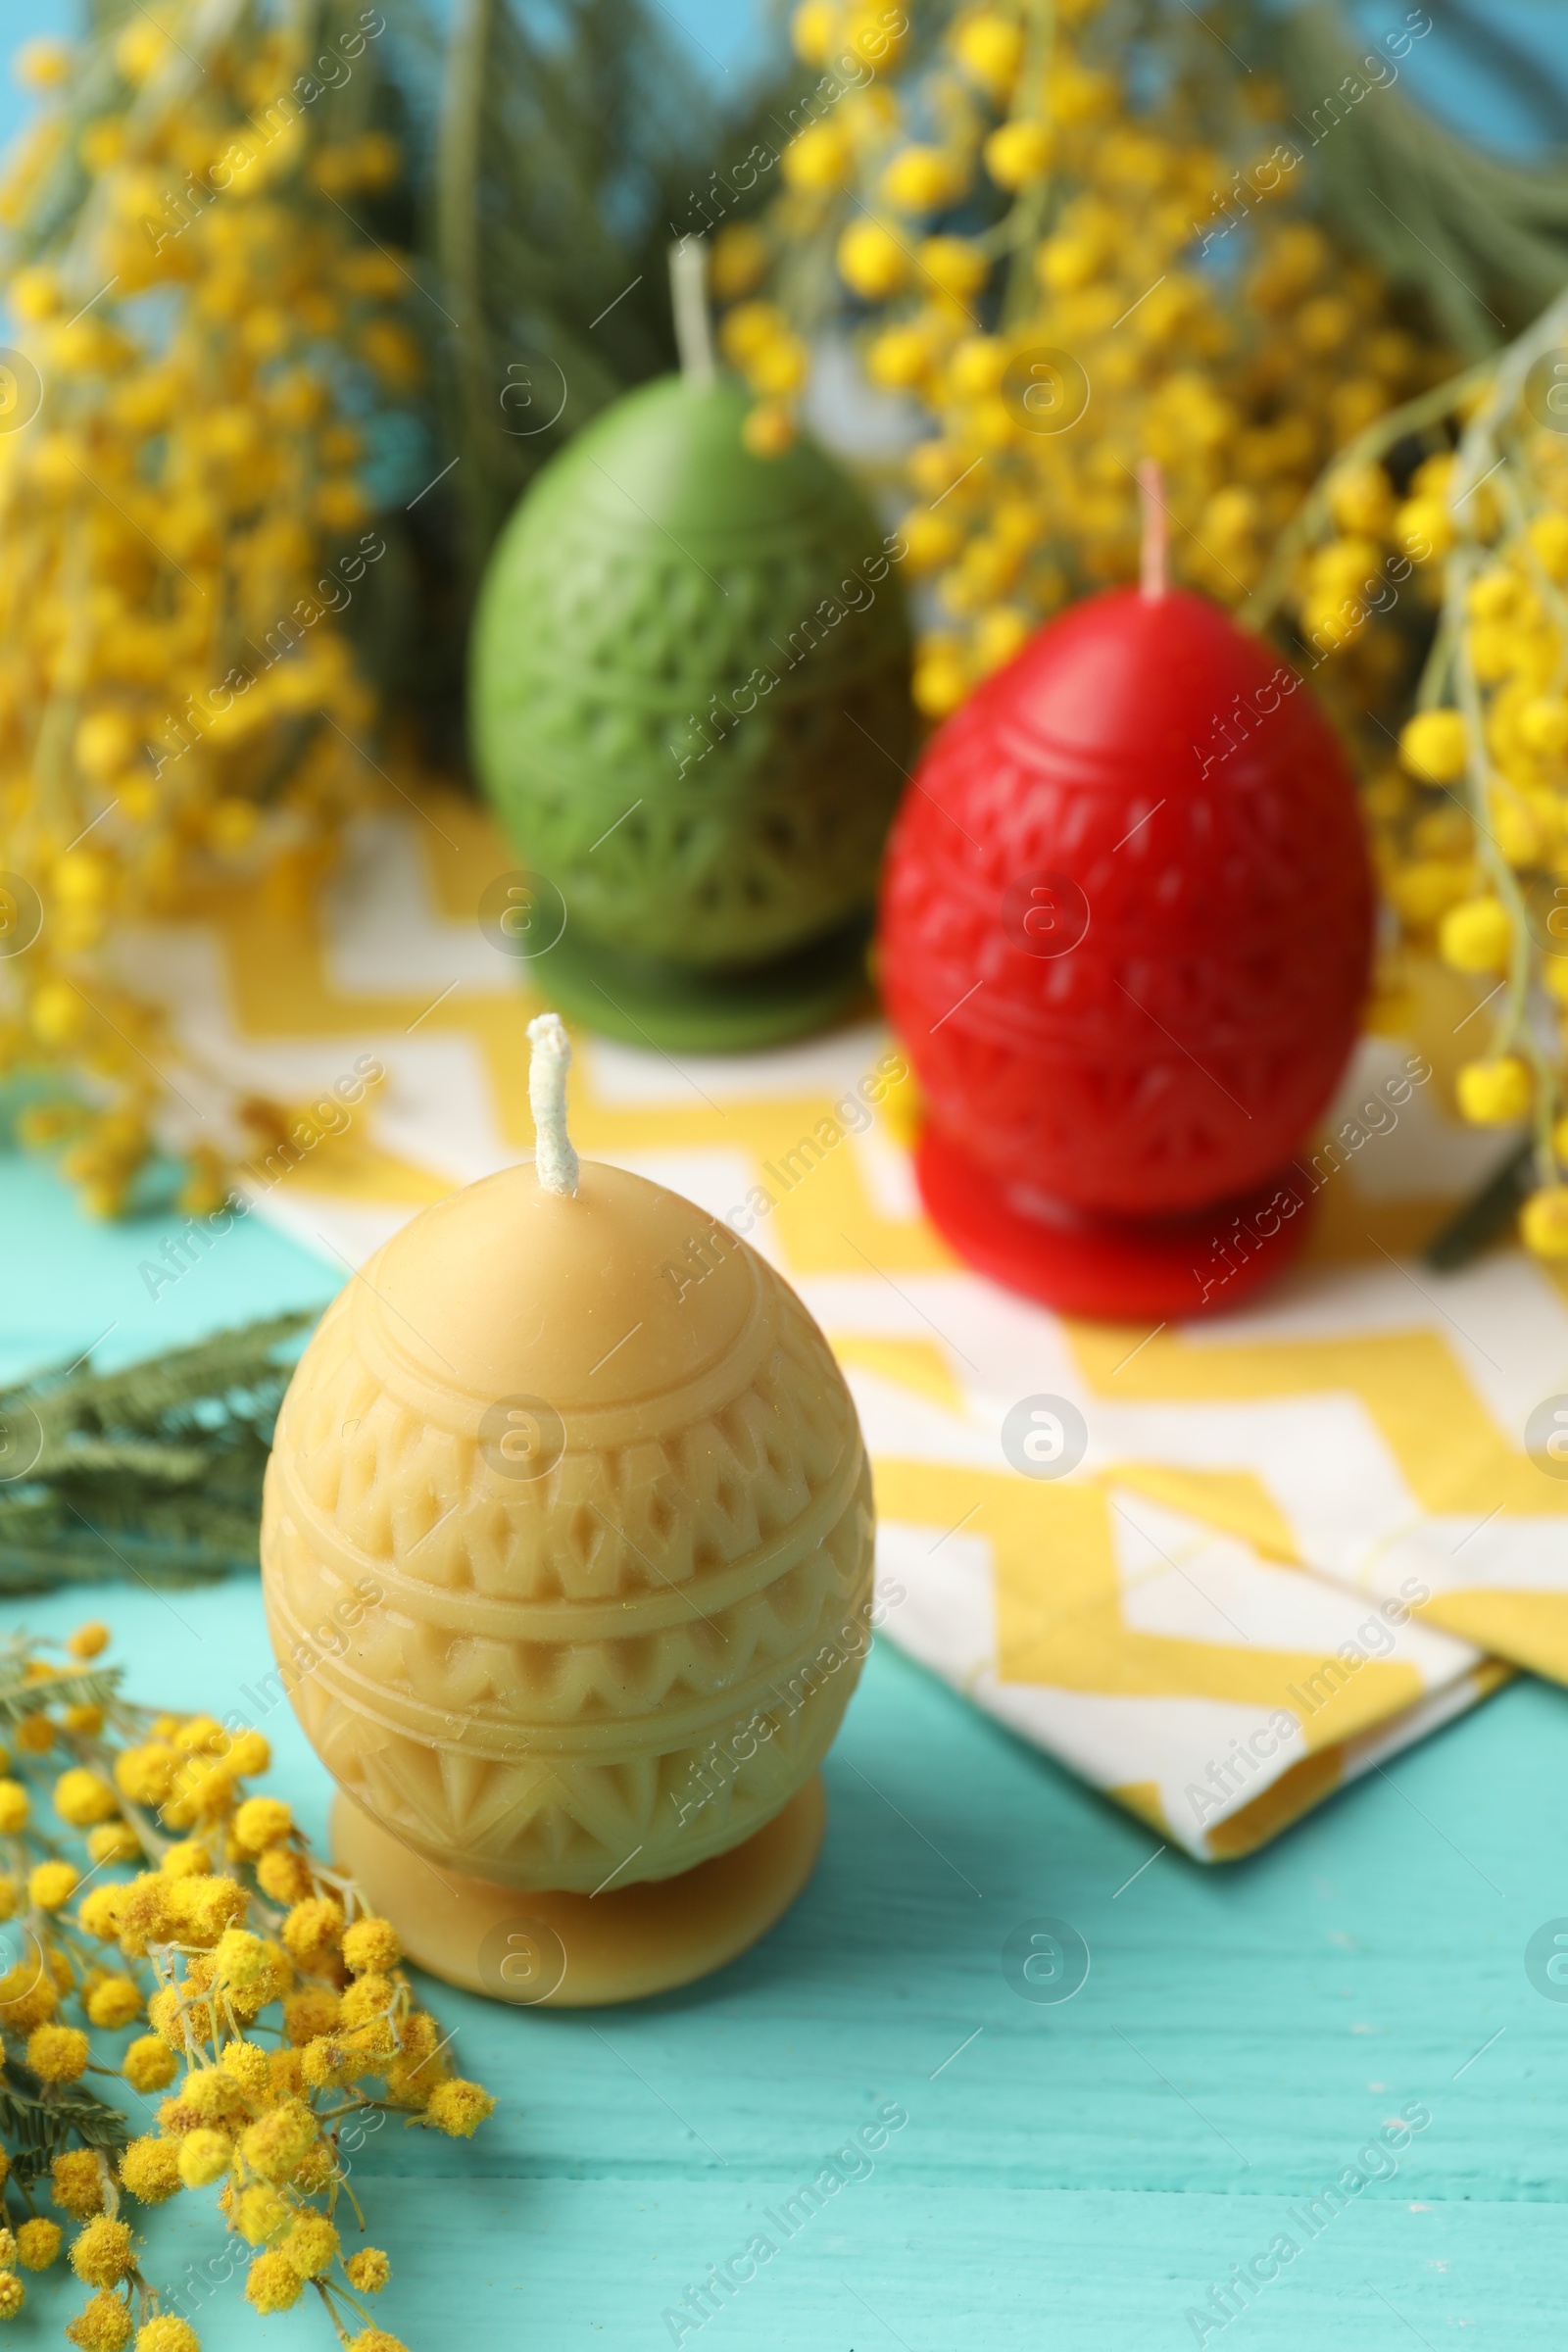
(1077, 2174)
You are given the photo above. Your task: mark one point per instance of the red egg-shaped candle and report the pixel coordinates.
(1126, 932)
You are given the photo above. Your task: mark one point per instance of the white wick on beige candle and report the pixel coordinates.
(553, 1157)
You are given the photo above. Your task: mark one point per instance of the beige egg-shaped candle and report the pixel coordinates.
(566, 1556)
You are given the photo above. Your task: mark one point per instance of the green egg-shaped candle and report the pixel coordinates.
(691, 711)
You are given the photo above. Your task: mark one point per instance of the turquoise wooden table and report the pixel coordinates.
(1091, 2175)
(1101, 2173)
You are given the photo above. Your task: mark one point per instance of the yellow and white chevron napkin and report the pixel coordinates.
(1300, 1535)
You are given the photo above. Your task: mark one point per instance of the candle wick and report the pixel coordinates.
(1152, 555)
(555, 1161)
(688, 277)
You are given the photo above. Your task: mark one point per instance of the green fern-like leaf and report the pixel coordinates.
(154, 1470)
(38, 2122)
(568, 143)
(1484, 241)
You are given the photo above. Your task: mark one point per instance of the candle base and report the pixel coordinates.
(548, 1949)
(1115, 1269)
(682, 1008)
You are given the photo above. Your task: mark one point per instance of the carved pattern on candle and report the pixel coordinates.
(551, 1661)
(734, 707)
